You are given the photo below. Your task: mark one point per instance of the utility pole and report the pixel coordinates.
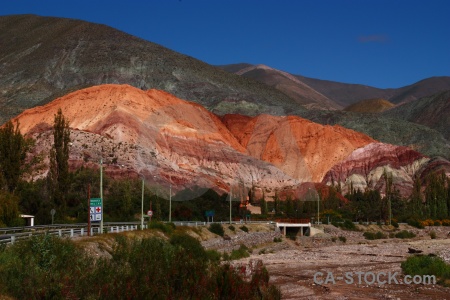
(231, 195)
(89, 210)
(101, 194)
(318, 201)
(390, 210)
(170, 200)
(142, 205)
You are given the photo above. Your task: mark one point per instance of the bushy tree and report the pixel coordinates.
(9, 210)
(13, 153)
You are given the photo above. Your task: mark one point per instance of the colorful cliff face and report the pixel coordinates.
(151, 133)
(180, 144)
(365, 167)
(301, 148)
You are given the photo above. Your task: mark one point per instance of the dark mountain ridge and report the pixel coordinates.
(42, 58)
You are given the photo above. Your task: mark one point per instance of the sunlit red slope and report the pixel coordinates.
(151, 133)
(301, 148)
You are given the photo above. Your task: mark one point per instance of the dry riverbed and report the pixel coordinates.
(293, 264)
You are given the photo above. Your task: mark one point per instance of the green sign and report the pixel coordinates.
(209, 213)
(96, 201)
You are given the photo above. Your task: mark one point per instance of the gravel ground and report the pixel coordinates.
(293, 264)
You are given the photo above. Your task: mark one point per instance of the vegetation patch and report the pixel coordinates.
(166, 228)
(242, 252)
(374, 235)
(405, 234)
(415, 223)
(216, 228)
(427, 265)
(243, 228)
(346, 225)
(144, 268)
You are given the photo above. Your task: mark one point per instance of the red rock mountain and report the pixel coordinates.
(172, 142)
(299, 147)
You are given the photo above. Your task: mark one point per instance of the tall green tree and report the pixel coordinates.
(13, 153)
(9, 210)
(58, 176)
(436, 196)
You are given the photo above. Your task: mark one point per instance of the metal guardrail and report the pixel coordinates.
(11, 235)
(197, 223)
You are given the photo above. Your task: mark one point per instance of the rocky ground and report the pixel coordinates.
(293, 264)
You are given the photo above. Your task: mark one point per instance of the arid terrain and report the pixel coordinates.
(292, 264)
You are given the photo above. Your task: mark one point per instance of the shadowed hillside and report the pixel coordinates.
(370, 106)
(43, 58)
(433, 112)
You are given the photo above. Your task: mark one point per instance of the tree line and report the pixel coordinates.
(67, 193)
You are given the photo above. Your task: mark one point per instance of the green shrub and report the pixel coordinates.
(232, 228)
(213, 255)
(216, 228)
(242, 252)
(445, 222)
(277, 240)
(188, 243)
(163, 227)
(394, 223)
(437, 223)
(427, 265)
(391, 235)
(226, 256)
(374, 236)
(343, 239)
(144, 268)
(334, 239)
(346, 225)
(415, 223)
(433, 235)
(34, 266)
(243, 228)
(404, 234)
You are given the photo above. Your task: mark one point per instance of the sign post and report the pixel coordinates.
(95, 209)
(150, 214)
(52, 212)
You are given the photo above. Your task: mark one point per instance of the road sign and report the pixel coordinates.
(96, 202)
(95, 209)
(209, 213)
(150, 213)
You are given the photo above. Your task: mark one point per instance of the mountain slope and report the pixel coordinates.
(150, 133)
(180, 144)
(301, 148)
(345, 94)
(387, 130)
(42, 58)
(298, 91)
(433, 112)
(370, 106)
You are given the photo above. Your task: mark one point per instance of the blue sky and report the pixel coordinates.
(378, 43)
